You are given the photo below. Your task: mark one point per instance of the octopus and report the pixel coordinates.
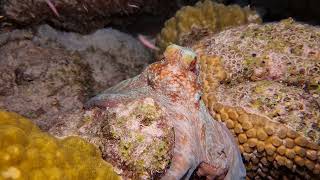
(198, 146)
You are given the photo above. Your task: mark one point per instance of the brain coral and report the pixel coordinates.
(28, 153)
(191, 23)
(263, 82)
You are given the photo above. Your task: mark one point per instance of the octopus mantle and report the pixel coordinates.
(200, 145)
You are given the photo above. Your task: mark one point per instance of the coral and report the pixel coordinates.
(262, 81)
(113, 56)
(47, 75)
(28, 153)
(81, 16)
(192, 23)
(155, 125)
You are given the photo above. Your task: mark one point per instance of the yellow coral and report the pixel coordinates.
(192, 23)
(28, 153)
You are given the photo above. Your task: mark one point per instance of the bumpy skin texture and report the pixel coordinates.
(262, 81)
(28, 153)
(81, 16)
(191, 23)
(158, 114)
(133, 136)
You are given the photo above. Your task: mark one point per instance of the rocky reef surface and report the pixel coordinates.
(47, 74)
(113, 56)
(82, 16)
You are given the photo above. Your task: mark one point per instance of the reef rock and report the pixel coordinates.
(156, 126)
(47, 74)
(113, 56)
(263, 82)
(81, 16)
(41, 83)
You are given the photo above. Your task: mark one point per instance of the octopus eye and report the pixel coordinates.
(149, 81)
(193, 66)
(198, 96)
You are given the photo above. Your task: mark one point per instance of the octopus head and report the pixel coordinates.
(176, 75)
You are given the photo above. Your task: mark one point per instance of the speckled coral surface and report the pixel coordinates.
(290, 106)
(287, 53)
(262, 81)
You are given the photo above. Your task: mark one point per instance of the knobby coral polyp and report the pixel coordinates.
(262, 81)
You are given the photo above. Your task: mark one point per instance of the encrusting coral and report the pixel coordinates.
(28, 153)
(263, 82)
(155, 125)
(194, 22)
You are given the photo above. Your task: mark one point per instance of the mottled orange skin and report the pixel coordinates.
(198, 139)
(180, 83)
